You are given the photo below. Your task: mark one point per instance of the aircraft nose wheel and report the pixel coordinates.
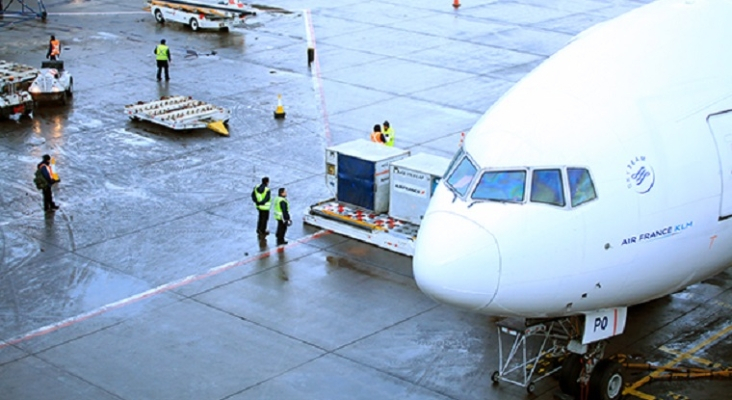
(606, 381)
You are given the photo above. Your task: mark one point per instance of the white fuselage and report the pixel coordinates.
(638, 102)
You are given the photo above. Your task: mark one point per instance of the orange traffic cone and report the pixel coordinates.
(280, 111)
(456, 3)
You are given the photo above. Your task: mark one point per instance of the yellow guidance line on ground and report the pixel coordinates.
(633, 389)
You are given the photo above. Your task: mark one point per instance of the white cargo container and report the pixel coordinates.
(357, 173)
(413, 180)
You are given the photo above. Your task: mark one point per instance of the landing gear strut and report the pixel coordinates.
(584, 374)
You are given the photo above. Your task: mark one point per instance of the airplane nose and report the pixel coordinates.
(456, 261)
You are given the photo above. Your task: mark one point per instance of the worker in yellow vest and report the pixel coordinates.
(261, 196)
(282, 215)
(162, 55)
(54, 48)
(388, 134)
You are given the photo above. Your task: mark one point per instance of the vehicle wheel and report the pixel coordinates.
(159, 16)
(495, 376)
(606, 381)
(70, 90)
(194, 24)
(65, 98)
(531, 387)
(224, 29)
(571, 369)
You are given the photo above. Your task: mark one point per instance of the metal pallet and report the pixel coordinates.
(179, 113)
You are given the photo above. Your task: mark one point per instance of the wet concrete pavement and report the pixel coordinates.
(150, 282)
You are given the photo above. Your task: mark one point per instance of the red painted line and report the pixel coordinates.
(317, 80)
(154, 292)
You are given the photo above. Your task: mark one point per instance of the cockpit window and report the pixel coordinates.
(546, 187)
(580, 186)
(501, 186)
(460, 178)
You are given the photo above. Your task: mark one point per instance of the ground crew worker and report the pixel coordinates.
(162, 55)
(282, 215)
(47, 172)
(388, 134)
(376, 135)
(54, 48)
(261, 197)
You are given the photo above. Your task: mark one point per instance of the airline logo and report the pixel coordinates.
(640, 176)
(658, 233)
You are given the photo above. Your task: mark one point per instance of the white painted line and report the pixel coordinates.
(100, 13)
(317, 81)
(153, 292)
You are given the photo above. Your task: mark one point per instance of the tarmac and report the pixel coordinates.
(150, 281)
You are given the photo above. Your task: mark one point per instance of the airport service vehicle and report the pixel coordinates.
(601, 180)
(181, 113)
(380, 193)
(201, 14)
(53, 83)
(14, 80)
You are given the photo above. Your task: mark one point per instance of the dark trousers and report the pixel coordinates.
(48, 198)
(281, 230)
(163, 65)
(262, 221)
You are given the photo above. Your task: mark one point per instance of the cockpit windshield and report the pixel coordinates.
(462, 174)
(501, 186)
(553, 186)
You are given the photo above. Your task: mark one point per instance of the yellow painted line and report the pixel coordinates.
(699, 360)
(678, 359)
(722, 304)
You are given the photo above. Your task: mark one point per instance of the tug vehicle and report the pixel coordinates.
(53, 83)
(198, 14)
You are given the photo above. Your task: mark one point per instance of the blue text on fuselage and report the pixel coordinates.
(658, 234)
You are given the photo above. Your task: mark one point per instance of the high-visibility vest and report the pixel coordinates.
(278, 207)
(55, 47)
(376, 137)
(161, 52)
(260, 197)
(389, 135)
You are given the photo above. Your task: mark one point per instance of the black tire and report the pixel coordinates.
(495, 377)
(193, 23)
(607, 381)
(531, 387)
(64, 98)
(70, 90)
(571, 369)
(159, 16)
(224, 29)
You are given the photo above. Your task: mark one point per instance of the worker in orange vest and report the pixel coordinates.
(376, 135)
(54, 48)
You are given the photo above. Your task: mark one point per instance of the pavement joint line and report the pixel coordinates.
(682, 356)
(166, 287)
(316, 77)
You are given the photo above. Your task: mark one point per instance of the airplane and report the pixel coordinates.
(601, 180)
